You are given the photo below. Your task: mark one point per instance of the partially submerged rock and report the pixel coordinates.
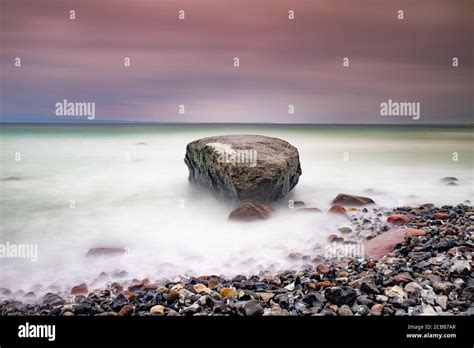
(350, 200)
(11, 178)
(243, 167)
(79, 289)
(298, 204)
(332, 238)
(96, 252)
(309, 210)
(337, 209)
(250, 212)
(449, 179)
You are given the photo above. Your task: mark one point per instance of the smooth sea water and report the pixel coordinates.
(85, 186)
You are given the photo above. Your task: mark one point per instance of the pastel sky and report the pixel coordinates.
(190, 62)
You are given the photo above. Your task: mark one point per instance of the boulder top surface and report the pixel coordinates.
(268, 149)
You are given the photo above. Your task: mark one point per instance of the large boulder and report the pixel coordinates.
(243, 167)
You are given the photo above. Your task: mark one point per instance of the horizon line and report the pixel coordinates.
(233, 123)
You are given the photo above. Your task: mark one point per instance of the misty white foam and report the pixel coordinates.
(143, 200)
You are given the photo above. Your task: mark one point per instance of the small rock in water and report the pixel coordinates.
(79, 289)
(344, 229)
(350, 200)
(449, 179)
(29, 296)
(250, 212)
(11, 178)
(334, 239)
(309, 210)
(5, 291)
(337, 210)
(119, 274)
(295, 256)
(95, 252)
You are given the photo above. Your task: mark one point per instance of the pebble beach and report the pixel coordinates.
(416, 261)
